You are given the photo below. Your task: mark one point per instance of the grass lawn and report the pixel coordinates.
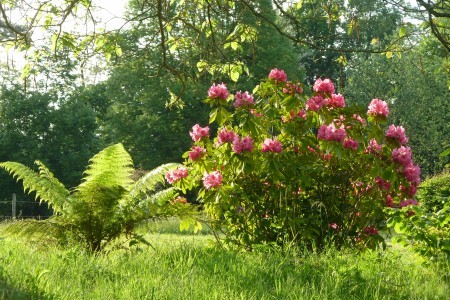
(186, 267)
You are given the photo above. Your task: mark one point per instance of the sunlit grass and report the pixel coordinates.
(186, 267)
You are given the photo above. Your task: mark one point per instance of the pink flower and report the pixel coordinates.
(315, 103)
(270, 145)
(397, 132)
(243, 99)
(371, 230)
(278, 75)
(331, 133)
(389, 202)
(198, 132)
(383, 184)
(412, 173)
(226, 136)
(402, 155)
(408, 202)
(359, 118)
(378, 108)
(255, 113)
(177, 174)
(333, 226)
(196, 153)
(218, 91)
(292, 88)
(212, 180)
(242, 145)
(325, 86)
(337, 100)
(373, 147)
(350, 144)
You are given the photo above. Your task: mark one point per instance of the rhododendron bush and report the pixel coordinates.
(295, 165)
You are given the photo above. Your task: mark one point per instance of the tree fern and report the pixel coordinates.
(108, 202)
(47, 188)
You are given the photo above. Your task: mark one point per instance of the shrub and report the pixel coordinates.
(107, 204)
(289, 167)
(435, 192)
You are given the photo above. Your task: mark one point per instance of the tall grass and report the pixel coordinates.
(184, 267)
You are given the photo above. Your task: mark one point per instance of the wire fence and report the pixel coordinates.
(18, 208)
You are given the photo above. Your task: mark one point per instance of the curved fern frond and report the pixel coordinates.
(150, 181)
(48, 188)
(161, 197)
(111, 167)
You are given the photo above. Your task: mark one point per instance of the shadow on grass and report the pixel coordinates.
(27, 290)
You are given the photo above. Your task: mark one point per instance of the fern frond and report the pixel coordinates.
(47, 188)
(112, 166)
(150, 181)
(161, 197)
(33, 230)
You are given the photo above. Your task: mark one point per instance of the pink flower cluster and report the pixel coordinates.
(218, 91)
(408, 202)
(278, 75)
(212, 180)
(331, 133)
(198, 132)
(196, 153)
(383, 184)
(315, 103)
(398, 133)
(359, 118)
(293, 115)
(337, 100)
(373, 147)
(378, 108)
(243, 99)
(411, 171)
(226, 136)
(324, 86)
(292, 88)
(350, 144)
(402, 155)
(370, 230)
(242, 145)
(177, 174)
(270, 145)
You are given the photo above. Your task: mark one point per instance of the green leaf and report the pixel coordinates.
(118, 50)
(389, 54)
(234, 75)
(403, 31)
(197, 227)
(213, 115)
(185, 224)
(445, 153)
(234, 45)
(400, 227)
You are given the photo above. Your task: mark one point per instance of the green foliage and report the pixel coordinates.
(108, 203)
(434, 192)
(426, 232)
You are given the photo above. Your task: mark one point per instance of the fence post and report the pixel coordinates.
(14, 202)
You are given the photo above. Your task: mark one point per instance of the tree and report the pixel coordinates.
(42, 125)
